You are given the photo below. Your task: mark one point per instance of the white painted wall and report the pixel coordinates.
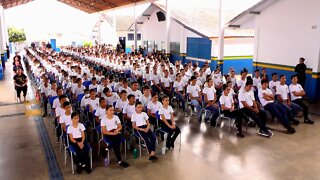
(108, 34)
(153, 30)
(288, 30)
(234, 47)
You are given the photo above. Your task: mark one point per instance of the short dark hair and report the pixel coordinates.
(74, 114)
(224, 87)
(193, 78)
(105, 90)
(248, 83)
(130, 96)
(293, 76)
(281, 76)
(67, 103)
(274, 74)
(62, 96)
(264, 81)
(138, 103)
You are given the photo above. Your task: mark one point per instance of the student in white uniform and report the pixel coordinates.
(194, 92)
(249, 106)
(242, 81)
(65, 119)
(56, 101)
(166, 83)
(111, 129)
(276, 109)
(210, 98)
(44, 90)
(94, 84)
(228, 109)
(129, 109)
(297, 92)
(77, 139)
(180, 92)
(110, 97)
(274, 83)
(256, 79)
(141, 124)
(79, 89)
(146, 97)
(101, 111)
(155, 79)
(135, 91)
(152, 107)
(284, 98)
(168, 122)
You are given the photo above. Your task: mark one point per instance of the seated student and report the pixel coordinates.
(210, 98)
(85, 98)
(92, 103)
(155, 79)
(282, 92)
(65, 119)
(94, 84)
(77, 139)
(129, 109)
(60, 110)
(249, 107)
(134, 90)
(194, 93)
(274, 83)
(79, 89)
(101, 111)
(276, 109)
(166, 83)
(296, 91)
(56, 101)
(146, 97)
(141, 123)
(228, 109)
(111, 128)
(125, 86)
(217, 79)
(152, 107)
(122, 102)
(168, 123)
(53, 90)
(119, 85)
(103, 85)
(44, 90)
(256, 79)
(180, 92)
(242, 81)
(110, 97)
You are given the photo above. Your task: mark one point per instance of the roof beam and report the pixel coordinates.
(234, 26)
(255, 12)
(104, 3)
(87, 5)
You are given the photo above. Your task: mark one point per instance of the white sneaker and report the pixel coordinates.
(19, 100)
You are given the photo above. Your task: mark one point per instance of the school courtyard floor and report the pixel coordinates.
(29, 150)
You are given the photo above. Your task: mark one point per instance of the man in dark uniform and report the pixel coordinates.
(301, 71)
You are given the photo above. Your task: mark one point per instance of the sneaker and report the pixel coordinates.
(240, 135)
(308, 121)
(19, 100)
(124, 164)
(291, 130)
(88, 169)
(263, 133)
(79, 169)
(270, 133)
(168, 144)
(143, 145)
(153, 158)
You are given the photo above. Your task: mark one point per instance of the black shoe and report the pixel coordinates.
(88, 169)
(153, 158)
(172, 145)
(168, 144)
(295, 122)
(240, 135)
(44, 115)
(291, 130)
(308, 121)
(124, 164)
(79, 169)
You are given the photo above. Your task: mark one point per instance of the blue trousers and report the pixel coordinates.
(149, 138)
(279, 111)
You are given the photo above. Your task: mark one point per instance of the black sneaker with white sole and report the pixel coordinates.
(264, 133)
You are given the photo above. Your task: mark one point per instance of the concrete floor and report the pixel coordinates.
(206, 152)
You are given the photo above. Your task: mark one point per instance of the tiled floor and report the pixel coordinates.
(206, 152)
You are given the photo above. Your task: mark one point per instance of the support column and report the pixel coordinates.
(2, 41)
(114, 23)
(221, 37)
(135, 28)
(99, 32)
(168, 21)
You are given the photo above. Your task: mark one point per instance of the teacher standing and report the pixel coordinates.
(301, 71)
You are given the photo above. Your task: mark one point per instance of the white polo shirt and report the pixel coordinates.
(91, 86)
(100, 112)
(129, 110)
(155, 78)
(283, 91)
(78, 90)
(248, 97)
(137, 93)
(65, 119)
(256, 81)
(154, 107)
(145, 100)
(210, 92)
(140, 119)
(113, 98)
(45, 90)
(226, 100)
(166, 81)
(93, 102)
(166, 112)
(121, 104)
(193, 90)
(273, 86)
(262, 100)
(76, 131)
(295, 88)
(110, 124)
(241, 83)
(178, 85)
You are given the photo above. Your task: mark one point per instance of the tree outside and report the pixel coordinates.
(16, 35)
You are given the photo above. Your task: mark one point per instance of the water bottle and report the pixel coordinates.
(135, 153)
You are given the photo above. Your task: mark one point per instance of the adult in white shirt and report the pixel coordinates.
(276, 109)
(284, 98)
(228, 108)
(297, 92)
(274, 83)
(210, 97)
(194, 92)
(141, 124)
(167, 122)
(249, 107)
(111, 129)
